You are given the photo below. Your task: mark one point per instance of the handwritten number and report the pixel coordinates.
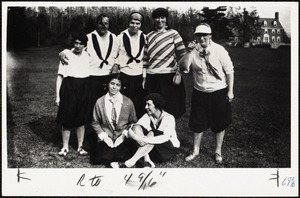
(144, 179)
(151, 183)
(127, 180)
(289, 182)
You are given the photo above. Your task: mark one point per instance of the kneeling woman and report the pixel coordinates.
(155, 134)
(112, 117)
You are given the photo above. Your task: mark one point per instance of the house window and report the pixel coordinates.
(266, 31)
(278, 31)
(273, 31)
(275, 23)
(273, 39)
(265, 23)
(278, 39)
(266, 38)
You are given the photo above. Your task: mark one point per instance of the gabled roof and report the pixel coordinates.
(270, 23)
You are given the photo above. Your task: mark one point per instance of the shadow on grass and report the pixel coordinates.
(46, 128)
(49, 130)
(10, 136)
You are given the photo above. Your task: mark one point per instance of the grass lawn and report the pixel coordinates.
(259, 137)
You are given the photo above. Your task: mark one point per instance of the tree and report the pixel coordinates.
(217, 20)
(243, 24)
(285, 37)
(16, 28)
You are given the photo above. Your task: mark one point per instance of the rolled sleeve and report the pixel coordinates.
(226, 62)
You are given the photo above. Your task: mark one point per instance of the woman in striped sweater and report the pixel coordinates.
(165, 48)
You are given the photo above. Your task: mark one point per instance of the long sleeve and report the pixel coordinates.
(168, 128)
(146, 55)
(132, 115)
(158, 139)
(97, 119)
(226, 61)
(169, 132)
(179, 46)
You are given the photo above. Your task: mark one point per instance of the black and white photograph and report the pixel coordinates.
(183, 98)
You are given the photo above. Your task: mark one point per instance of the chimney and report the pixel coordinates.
(276, 16)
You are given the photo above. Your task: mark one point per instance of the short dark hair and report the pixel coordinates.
(82, 37)
(157, 99)
(160, 12)
(117, 76)
(100, 17)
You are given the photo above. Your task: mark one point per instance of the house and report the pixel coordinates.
(271, 31)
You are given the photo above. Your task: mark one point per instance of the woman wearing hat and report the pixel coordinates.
(165, 48)
(132, 43)
(213, 88)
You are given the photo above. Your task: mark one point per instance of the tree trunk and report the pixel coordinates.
(39, 37)
(62, 24)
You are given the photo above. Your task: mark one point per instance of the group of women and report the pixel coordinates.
(127, 88)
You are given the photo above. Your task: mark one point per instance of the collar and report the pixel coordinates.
(199, 49)
(118, 97)
(161, 31)
(137, 35)
(106, 35)
(154, 120)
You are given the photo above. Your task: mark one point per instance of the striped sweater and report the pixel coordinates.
(163, 51)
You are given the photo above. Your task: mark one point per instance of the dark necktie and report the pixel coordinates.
(113, 112)
(210, 68)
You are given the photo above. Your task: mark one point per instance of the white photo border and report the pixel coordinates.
(165, 182)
